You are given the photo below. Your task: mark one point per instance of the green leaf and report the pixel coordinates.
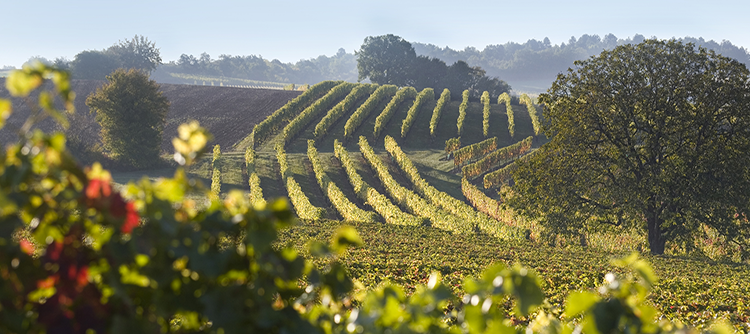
(345, 237)
(579, 302)
(6, 109)
(21, 83)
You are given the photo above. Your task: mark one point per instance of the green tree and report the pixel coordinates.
(131, 111)
(93, 65)
(138, 53)
(654, 136)
(386, 59)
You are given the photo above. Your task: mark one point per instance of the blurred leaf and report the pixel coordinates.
(345, 237)
(6, 109)
(21, 82)
(579, 302)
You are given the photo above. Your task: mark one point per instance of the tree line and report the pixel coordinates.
(389, 59)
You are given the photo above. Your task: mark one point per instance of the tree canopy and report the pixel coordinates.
(389, 59)
(654, 136)
(137, 53)
(131, 111)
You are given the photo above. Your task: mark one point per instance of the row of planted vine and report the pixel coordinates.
(385, 116)
(333, 115)
(497, 158)
(299, 199)
(503, 175)
(447, 202)
(359, 115)
(379, 202)
(445, 97)
(425, 96)
(338, 199)
(271, 124)
(256, 192)
(473, 151)
(407, 198)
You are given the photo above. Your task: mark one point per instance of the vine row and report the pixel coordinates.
(263, 130)
(343, 205)
(436, 197)
(525, 99)
(504, 97)
(474, 151)
(300, 201)
(504, 175)
(486, 114)
(407, 198)
(492, 208)
(445, 97)
(462, 111)
(385, 116)
(256, 192)
(359, 115)
(333, 115)
(299, 123)
(379, 202)
(497, 158)
(426, 95)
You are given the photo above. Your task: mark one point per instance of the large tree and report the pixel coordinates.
(132, 112)
(386, 59)
(654, 135)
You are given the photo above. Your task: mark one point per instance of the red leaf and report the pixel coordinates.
(27, 247)
(131, 219)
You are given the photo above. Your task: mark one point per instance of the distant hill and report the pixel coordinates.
(528, 67)
(228, 113)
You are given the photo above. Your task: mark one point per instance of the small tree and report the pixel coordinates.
(131, 111)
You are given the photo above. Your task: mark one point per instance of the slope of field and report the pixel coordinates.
(228, 113)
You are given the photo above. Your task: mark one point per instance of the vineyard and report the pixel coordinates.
(390, 162)
(419, 176)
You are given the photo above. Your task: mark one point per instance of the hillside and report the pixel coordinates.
(228, 113)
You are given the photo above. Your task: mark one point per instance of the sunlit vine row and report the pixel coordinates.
(426, 95)
(333, 115)
(504, 97)
(216, 171)
(445, 97)
(379, 202)
(407, 198)
(343, 205)
(318, 107)
(474, 151)
(271, 124)
(462, 112)
(485, 113)
(503, 175)
(525, 99)
(452, 144)
(359, 115)
(441, 199)
(256, 192)
(300, 201)
(385, 116)
(497, 158)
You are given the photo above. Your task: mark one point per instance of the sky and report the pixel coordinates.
(293, 30)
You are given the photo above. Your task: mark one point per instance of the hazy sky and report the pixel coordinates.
(294, 30)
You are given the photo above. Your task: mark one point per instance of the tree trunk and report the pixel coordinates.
(656, 241)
